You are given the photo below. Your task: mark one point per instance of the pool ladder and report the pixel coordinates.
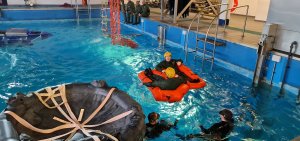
(104, 17)
(83, 11)
(205, 53)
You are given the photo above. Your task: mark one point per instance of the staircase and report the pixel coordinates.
(83, 11)
(208, 8)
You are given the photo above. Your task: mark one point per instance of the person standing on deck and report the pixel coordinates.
(130, 10)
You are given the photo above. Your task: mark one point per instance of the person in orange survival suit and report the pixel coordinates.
(174, 63)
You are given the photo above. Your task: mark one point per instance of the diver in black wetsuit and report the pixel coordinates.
(218, 131)
(155, 127)
(171, 83)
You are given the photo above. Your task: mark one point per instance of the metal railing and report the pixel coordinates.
(78, 9)
(216, 33)
(198, 22)
(197, 16)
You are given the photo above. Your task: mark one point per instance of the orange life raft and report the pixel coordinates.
(173, 95)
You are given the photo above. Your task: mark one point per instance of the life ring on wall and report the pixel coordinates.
(235, 4)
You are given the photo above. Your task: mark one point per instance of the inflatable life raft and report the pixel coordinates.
(80, 111)
(177, 94)
(20, 35)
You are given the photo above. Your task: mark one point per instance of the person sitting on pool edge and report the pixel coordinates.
(217, 131)
(174, 63)
(154, 127)
(171, 83)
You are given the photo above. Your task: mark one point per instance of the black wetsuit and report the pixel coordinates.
(153, 131)
(218, 131)
(145, 10)
(172, 63)
(166, 84)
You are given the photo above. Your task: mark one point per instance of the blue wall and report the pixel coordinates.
(233, 53)
(42, 14)
(293, 75)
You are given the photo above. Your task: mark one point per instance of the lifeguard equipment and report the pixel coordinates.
(93, 110)
(173, 95)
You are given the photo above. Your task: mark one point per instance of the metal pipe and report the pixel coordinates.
(7, 132)
(293, 45)
(245, 21)
(161, 36)
(226, 18)
(175, 11)
(214, 48)
(162, 7)
(187, 36)
(273, 72)
(298, 97)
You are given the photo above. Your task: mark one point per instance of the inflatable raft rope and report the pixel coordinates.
(73, 122)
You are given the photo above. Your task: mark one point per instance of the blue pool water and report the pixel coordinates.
(80, 53)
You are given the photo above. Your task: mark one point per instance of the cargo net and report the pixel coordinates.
(115, 21)
(115, 27)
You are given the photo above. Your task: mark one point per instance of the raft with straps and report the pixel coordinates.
(177, 94)
(91, 111)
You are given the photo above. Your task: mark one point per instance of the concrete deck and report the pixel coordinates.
(232, 33)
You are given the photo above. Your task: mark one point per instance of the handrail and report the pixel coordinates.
(197, 15)
(207, 32)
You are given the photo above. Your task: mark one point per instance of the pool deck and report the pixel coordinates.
(233, 31)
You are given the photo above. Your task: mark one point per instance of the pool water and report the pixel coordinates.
(80, 53)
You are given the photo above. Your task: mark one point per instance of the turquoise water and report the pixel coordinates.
(79, 53)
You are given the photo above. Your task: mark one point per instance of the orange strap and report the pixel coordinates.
(72, 122)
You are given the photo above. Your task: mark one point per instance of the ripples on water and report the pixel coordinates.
(81, 54)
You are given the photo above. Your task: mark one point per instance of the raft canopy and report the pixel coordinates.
(90, 120)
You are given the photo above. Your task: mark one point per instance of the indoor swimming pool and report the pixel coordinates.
(80, 53)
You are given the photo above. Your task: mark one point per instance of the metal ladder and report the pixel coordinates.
(209, 55)
(83, 10)
(104, 17)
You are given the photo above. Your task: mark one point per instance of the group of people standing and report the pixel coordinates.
(134, 12)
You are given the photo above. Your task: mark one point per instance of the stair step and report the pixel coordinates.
(211, 41)
(206, 58)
